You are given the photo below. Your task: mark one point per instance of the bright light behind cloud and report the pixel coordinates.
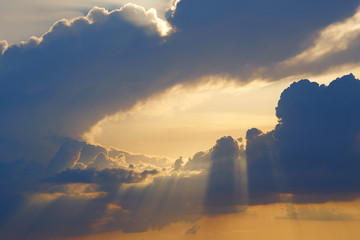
(21, 19)
(184, 120)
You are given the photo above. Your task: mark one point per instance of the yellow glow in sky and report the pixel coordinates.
(184, 121)
(327, 221)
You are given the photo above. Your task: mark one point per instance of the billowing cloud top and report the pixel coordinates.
(315, 147)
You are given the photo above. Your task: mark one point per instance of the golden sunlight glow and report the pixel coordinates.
(74, 190)
(128, 10)
(183, 121)
(334, 73)
(330, 221)
(244, 194)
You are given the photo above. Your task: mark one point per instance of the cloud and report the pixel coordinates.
(318, 213)
(78, 198)
(200, 161)
(178, 164)
(33, 19)
(333, 48)
(335, 38)
(73, 76)
(223, 173)
(3, 46)
(75, 154)
(15, 179)
(90, 67)
(103, 200)
(67, 157)
(310, 157)
(193, 230)
(247, 38)
(92, 175)
(314, 149)
(80, 174)
(139, 160)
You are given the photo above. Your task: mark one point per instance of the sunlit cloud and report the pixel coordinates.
(21, 19)
(335, 38)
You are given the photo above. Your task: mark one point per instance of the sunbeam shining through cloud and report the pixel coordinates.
(179, 120)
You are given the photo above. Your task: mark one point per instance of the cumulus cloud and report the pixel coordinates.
(60, 73)
(84, 69)
(81, 155)
(314, 148)
(311, 155)
(223, 173)
(200, 161)
(35, 17)
(178, 164)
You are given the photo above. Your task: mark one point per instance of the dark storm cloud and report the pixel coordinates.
(314, 150)
(16, 178)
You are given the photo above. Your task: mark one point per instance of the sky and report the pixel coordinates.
(179, 119)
